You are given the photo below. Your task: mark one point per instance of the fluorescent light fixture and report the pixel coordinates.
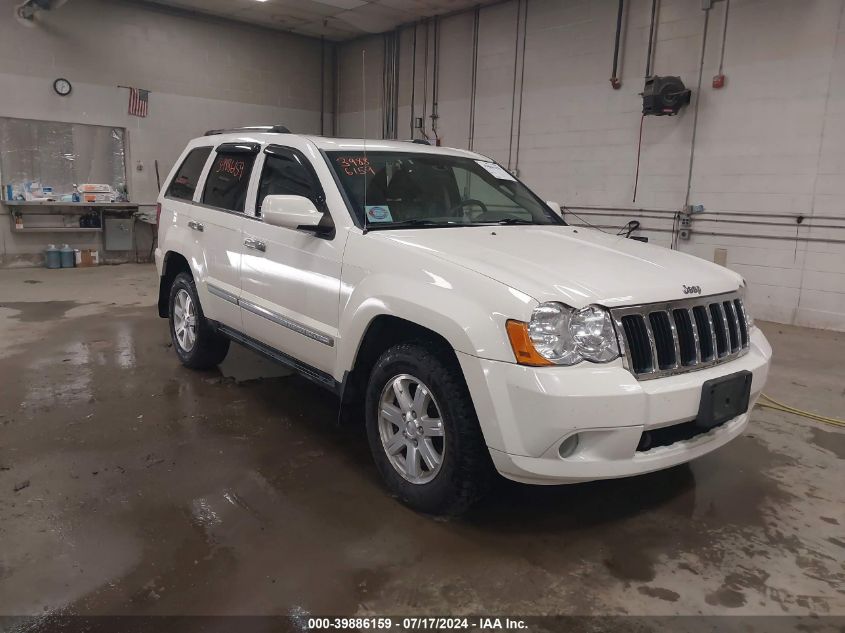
(343, 4)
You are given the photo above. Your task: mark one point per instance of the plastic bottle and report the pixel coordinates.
(52, 257)
(68, 257)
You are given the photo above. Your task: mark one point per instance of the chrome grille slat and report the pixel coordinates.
(720, 345)
(721, 308)
(742, 320)
(637, 350)
(662, 332)
(657, 341)
(674, 326)
(714, 347)
(734, 321)
(733, 335)
(695, 335)
(705, 332)
(655, 366)
(687, 340)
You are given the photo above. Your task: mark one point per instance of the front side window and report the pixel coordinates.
(184, 184)
(285, 174)
(228, 181)
(393, 189)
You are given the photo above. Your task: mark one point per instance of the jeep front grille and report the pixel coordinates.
(661, 339)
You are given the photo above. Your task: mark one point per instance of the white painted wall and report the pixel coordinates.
(203, 74)
(771, 142)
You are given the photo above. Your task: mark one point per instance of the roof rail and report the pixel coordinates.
(270, 129)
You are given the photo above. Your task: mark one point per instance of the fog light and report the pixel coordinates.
(568, 446)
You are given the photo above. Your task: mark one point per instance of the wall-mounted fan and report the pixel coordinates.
(25, 12)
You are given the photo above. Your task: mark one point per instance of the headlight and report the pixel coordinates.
(549, 330)
(593, 334)
(560, 335)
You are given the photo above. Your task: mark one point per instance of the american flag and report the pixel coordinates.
(139, 102)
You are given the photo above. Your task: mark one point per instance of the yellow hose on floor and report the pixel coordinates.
(771, 403)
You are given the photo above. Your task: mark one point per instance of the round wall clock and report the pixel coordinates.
(62, 87)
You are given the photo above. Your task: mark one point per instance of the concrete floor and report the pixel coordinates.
(130, 485)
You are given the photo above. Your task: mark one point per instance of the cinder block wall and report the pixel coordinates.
(204, 73)
(770, 144)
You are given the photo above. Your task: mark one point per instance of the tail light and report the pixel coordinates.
(158, 217)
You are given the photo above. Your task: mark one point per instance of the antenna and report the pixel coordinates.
(364, 113)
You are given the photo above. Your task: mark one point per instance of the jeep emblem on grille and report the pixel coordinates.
(692, 290)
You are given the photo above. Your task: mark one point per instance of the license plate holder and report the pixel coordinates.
(723, 399)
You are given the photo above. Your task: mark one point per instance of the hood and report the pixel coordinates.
(574, 265)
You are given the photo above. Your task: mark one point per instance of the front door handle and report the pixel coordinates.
(255, 244)
(196, 226)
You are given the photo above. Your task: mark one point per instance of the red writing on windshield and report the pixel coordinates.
(355, 165)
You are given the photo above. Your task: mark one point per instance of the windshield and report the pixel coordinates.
(434, 190)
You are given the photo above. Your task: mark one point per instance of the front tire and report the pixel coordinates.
(423, 430)
(194, 339)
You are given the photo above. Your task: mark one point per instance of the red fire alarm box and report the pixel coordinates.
(718, 81)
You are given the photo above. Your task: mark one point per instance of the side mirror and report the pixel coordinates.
(291, 212)
(555, 206)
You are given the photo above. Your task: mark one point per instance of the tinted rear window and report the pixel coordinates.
(185, 182)
(228, 181)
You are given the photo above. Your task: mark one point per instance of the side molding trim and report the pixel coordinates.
(223, 294)
(275, 317)
(290, 324)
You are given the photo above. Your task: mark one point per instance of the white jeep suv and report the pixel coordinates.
(453, 311)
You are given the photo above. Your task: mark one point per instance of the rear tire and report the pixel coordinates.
(423, 431)
(194, 339)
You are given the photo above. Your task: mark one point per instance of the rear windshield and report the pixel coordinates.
(395, 189)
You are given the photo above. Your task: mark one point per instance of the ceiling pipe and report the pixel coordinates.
(322, 86)
(651, 28)
(614, 77)
(696, 107)
(513, 92)
(719, 79)
(425, 81)
(521, 87)
(413, 81)
(474, 80)
(435, 81)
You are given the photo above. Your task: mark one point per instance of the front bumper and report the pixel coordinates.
(526, 413)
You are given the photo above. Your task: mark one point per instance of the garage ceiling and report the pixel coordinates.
(334, 19)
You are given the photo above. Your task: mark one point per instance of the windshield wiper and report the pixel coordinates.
(509, 221)
(412, 222)
(425, 222)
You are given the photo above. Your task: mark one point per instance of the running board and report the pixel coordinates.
(306, 371)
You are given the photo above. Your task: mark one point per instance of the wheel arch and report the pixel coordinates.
(173, 264)
(394, 306)
(383, 332)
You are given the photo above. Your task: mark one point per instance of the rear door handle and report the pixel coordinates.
(254, 244)
(196, 226)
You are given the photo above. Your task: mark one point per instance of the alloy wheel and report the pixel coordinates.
(185, 320)
(411, 429)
